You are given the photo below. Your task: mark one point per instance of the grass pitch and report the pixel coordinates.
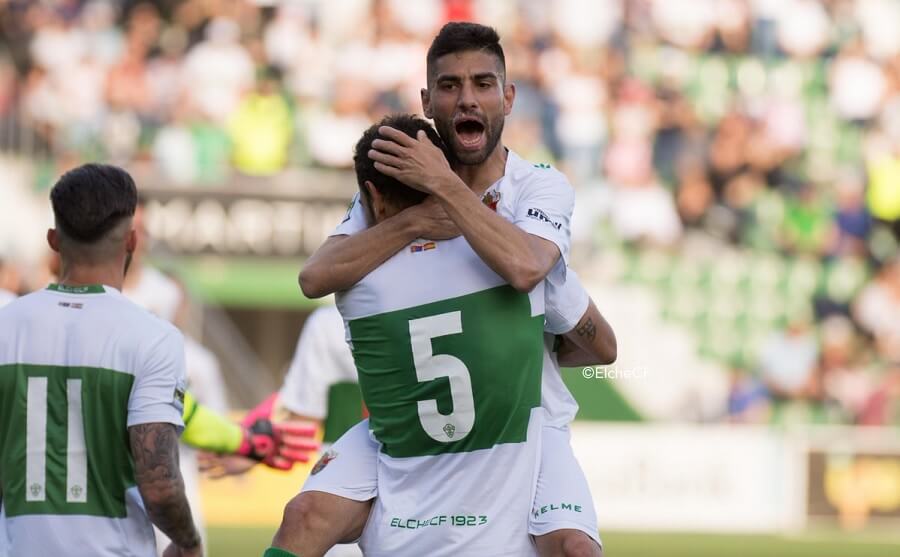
(250, 542)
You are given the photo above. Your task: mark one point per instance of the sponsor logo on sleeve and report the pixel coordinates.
(537, 214)
(324, 460)
(178, 394)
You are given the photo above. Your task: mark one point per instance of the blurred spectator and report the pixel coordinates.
(844, 378)
(220, 70)
(748, 399)
(807, 221)
(261, 128)
(787, 361)
(857, 84)
(852, 223)
(344, 121)
(883, 407)
(883, 165)
(877, 309)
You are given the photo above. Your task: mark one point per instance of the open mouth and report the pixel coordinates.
(470, 133)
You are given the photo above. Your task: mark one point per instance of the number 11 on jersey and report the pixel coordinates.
(36, 443)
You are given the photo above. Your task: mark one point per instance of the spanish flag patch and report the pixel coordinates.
(416, 248)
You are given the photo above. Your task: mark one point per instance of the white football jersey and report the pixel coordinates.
(78, 367)
(449, 359)
(321, 360)
(538, 199)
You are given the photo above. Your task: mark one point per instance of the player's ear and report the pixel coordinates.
(53, 239)
(426, 103)
(376, 201)
(509, 96)
(131, 241)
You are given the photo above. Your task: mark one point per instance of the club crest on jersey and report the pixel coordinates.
(416, 248)
(450, 430)
(537, 214)
(491, 198)
(323, 461)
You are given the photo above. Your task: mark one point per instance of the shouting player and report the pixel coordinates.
(450, 372)
(468, 97)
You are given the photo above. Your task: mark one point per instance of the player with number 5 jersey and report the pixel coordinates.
(449, 358)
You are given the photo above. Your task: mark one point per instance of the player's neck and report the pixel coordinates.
(479, 177)
(74, 274)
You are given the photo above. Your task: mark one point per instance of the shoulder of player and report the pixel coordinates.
(527, 176)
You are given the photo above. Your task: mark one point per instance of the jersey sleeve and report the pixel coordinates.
(157, 394)
(321, 359)
(544, 209)
(565, 304)
(354, 221)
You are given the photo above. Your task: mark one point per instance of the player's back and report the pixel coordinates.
(78, 366)
(449, 359)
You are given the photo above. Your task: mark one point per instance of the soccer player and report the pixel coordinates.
(467, 96)
(91, 388)
(470, 411)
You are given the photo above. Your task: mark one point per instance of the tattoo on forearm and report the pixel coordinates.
(587, 329)
(154, 448)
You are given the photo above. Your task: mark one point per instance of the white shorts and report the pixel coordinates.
(562, 498)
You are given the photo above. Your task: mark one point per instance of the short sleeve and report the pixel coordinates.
(321, 360)
(565, 304)
(544, 208)
(354, 221)
(157, 394)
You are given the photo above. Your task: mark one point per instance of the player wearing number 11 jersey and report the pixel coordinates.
(91, 394)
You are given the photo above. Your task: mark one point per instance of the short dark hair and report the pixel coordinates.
(462, 36)
(395, 192)
(90, 200)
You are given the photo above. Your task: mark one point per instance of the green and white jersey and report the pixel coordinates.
(449, 359)
(78, 366)
(538, 199)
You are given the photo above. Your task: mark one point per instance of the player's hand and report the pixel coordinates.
(279, 444)
(215, 466)
(431, 221)
(417, 162)
(176, 551)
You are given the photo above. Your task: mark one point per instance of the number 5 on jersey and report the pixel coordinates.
(456, 425)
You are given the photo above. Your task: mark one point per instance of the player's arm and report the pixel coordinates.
(521, 258)
(155, 410)
(591, 342)
(154, 448)
(355, 249)
(278, 445)
(584, 337)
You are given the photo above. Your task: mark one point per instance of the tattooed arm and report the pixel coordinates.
(154, 447)
(591, 342)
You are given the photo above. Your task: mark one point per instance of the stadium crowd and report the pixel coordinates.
(766, 126)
